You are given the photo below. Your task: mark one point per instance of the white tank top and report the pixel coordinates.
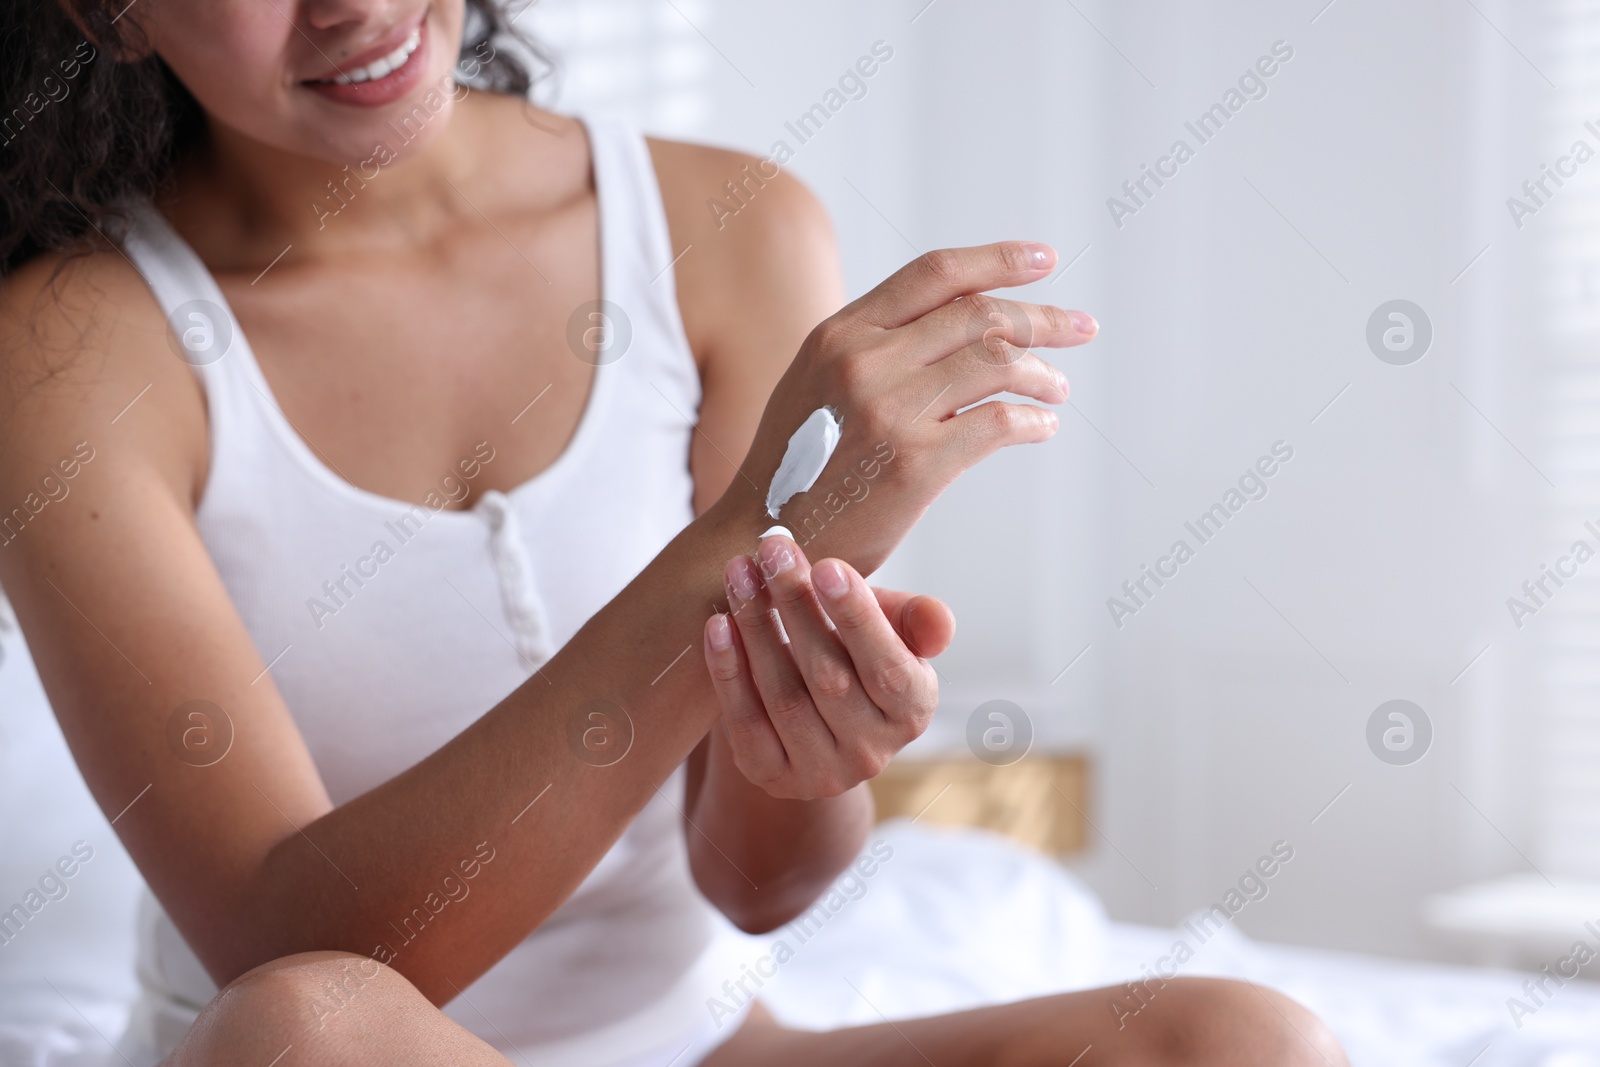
(381, 669)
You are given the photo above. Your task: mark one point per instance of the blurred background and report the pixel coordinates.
(1383, 159)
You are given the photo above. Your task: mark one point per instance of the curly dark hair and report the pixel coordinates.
(83, 131)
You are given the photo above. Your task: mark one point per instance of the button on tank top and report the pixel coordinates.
(390, 626)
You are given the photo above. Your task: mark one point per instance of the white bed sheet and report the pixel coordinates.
(68, 972)
(1392, 1013)
(957, 920)
(950, 920)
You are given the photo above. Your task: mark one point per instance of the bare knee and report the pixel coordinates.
(1206, 1021)
(298, 998)
(312, 989)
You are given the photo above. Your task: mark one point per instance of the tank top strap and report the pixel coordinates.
(640, 293)
(202, 326)
(245, 444)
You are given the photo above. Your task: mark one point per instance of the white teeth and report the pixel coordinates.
(384, 66)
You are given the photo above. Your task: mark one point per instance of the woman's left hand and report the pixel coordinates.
(817, 714)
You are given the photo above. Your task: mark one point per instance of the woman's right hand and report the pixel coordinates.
(898, 365)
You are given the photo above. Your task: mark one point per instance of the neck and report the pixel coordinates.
(250, 199)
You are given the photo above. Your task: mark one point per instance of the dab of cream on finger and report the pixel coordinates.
(809, 450)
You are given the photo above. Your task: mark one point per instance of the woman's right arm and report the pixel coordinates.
(128, 620)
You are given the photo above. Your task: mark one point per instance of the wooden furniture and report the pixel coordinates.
(1041, 801)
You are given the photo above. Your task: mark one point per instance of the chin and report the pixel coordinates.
(395, 133)
(386, 119)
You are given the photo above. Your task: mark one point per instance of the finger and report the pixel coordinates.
(936, 278)
(825, 664)
(898, 681)
(924, 623)
(805, 736)
(981, 318)
(980, 431)
(757, 749)
(980, 371)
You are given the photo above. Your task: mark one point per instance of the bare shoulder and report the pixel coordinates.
(754, 241)
(83, 346)
(743, 197)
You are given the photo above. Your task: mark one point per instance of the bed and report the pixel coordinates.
(955, 917)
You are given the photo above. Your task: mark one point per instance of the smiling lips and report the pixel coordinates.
(381, 67)
(380, 81)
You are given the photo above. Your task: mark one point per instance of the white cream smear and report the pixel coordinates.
(810, 448)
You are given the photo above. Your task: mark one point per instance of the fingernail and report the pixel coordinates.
(830, 579)
(721, 636)
(1083, 322)
(777, 556)
(742, 578)
(1039, 256)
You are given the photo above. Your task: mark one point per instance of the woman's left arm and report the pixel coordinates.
(758, 271)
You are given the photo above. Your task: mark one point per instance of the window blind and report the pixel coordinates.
(644, 60)
(1566, 232)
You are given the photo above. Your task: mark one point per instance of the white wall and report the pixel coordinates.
(1378, 566)
(1391, 540)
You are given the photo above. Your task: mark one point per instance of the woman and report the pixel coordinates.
(369, 616)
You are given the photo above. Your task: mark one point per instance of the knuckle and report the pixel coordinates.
(1055, 320)
(1040, 371)
(832, 680)
(998, 352)
(724, 673)
(911, 728)
(1012, 257)
(1004, 419)
(989, 327)
(943, 265)
(789, 590)
(756, 616)
(834, 784)
(788, 701)
(899, 679)
(852, 611)
(1023, 333)
(745, 734)
(756, 622)
(985, 310)
(830, 335)
(869, 763)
